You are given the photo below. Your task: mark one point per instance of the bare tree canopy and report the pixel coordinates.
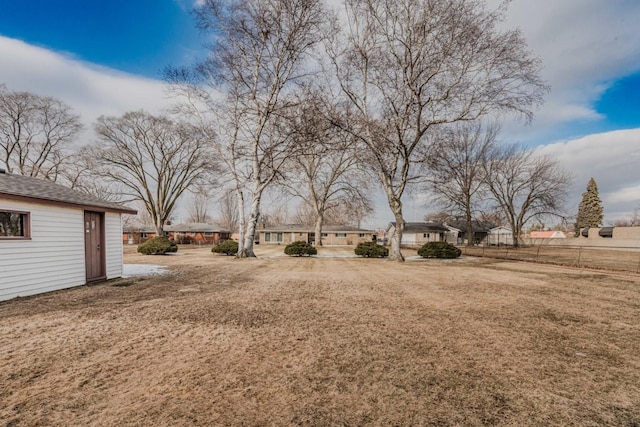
(227, 208)
(525, 185)
(260, 50)
(35, 132)
(456, 167)
(198, 207)
(153, 158)
(327, 172)
(408, 65)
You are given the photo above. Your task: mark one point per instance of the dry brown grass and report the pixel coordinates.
(327, 341)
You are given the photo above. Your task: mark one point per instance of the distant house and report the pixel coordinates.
(331, 235)
(197, 233)
(134, 235)
(53, 237)
(480, 230)
(191, 233)
(419, 233)
(550, 234)
(498, 236)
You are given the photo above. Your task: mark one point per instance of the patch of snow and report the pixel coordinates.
(134, 270)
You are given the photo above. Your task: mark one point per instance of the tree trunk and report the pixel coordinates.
(241, 222)
(252, 226)
(395, 254)
(318, 230)
(470, 236)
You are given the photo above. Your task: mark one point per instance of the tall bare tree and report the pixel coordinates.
(260, 50)
(35, 133)
(228, 211)
(153, 158)
(525, 185)
(327, 170)
(198, 207)
(406, 66)
(456, 167)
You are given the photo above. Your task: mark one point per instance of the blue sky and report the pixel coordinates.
(136, 36)
(106, 58)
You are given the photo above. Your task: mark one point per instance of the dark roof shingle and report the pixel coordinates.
(19, 186)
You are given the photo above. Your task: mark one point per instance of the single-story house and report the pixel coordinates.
(197, 233)
(134, 235)
(331, 235)
(53, 237)
(479, 230)
(191, 233)
(419, 233)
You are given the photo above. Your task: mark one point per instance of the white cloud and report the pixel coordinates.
(585, 45)
(612, 159)
(91, 90)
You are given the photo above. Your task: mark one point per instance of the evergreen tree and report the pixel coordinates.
(590, 212)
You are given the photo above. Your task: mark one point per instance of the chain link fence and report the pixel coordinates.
(617, 258)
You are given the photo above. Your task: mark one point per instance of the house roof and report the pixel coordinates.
(546, 234)
(21, 187)
(195, 227)
(420, 227)
(476, 226)
(300, 228)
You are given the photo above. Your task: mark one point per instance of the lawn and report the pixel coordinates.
(327, 341)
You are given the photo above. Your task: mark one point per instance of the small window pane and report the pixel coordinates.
(13, 224)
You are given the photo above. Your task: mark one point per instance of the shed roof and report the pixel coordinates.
(21, 187)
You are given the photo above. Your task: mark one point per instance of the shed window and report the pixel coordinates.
(15, 225)
(208, 233)
(341, 234)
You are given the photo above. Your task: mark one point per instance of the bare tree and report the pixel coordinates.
(35, 132)
(228, 211)
(153, 158)
(525, 185)
(198, 207)
(456, 167)
(406, 66)
(260, 50)
(327, 171)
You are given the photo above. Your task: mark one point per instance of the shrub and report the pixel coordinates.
(158, 246)
(371, 250)
(439, 250)
(300, 249)
(227, 247)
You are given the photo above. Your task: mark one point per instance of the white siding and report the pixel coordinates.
(54, 257)
(408, 239)
(113, 242)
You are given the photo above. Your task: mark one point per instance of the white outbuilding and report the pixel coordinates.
(53, 237)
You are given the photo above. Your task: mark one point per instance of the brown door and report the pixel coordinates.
(93, 246)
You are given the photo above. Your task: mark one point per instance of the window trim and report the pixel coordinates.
(26, 225)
